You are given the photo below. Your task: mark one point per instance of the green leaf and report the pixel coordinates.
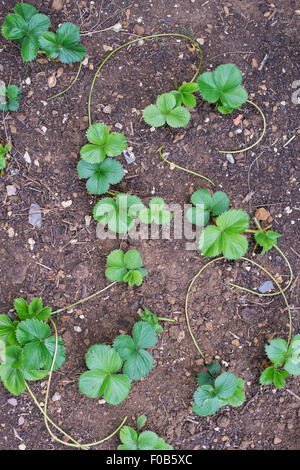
(6, 327)
(132, 259)
(224, 85)
(152, 319)
(119, 214)
(102, 379)
(153, 116)
(25, 10)
(129, 437)
(30, 330)
(101, 144)
(190, 87)
(178, 117)
(63, 44)
(275, 376)
(115, 144)
(204, 378)
(266, 240)
(138, 362)
(100, 175)
(10, 372)
(213, 368)
(225, 237)
(116, 259)
(166, 110)
(13, 92)
(206, 402)
(14, 27)
(292, 364)
(34, 374)
(205, 203)
(276, 351)
(147, 440)
(238, 398)
(155, 212)
(219, 203)
(226, 384)
(141, 420)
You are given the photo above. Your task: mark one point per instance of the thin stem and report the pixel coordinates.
(132, 42)
(187, 299)
(81, 301)
(70, 86)
(166, 319)
(258, 140)
(46, 417)
(272, 293)
(184, 169)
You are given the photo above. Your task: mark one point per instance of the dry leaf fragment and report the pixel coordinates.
(51, 81)
(237, 120)
(254, 63)
(262, 214)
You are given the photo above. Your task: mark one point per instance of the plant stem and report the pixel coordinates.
(184, 169)
(81, 301)
(272, 293)
(70, 86)
(187, 299)
(46, 417)
(166, 319)
(132, 42)
(258, 140)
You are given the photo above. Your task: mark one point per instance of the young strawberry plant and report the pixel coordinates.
(64, 44)
(155, 213)
(3, 152)
(152, 319)
(206, 205)
(166, 111)
(223, 87)
(25, 28)
(102, 143)
(184, 94)
(28, 347)
(104, 363)
(13, 95)
(125, 267)
(118, 214)
(217, 390)
(281, 355)
(100, 175)
(146, 440)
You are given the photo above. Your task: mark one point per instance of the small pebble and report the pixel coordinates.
(12, 401)
(265, 287)
(230, 157)
(56, 397)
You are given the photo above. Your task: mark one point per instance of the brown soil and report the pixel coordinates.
(68, 261)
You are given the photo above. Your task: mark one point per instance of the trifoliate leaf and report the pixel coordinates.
(166, 111)
(156, 212)
(126, 267)
(34, 310)
(276, 351)
(104, 362)
(226, 385)
(138, 362)
(225, 237)
(206, 204)
(100, 175)
(63, 44)
(275, 376)
(101, 144)
(119, 214)
(266, 239)
(224, 85)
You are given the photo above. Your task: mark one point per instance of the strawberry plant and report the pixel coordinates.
(166, 111)
(206, 205)
(155, 213)
(100, 175)
(25, 28)
(146, 440)
(217, 390)
(64, 44)
(184, 94)
(223, 87)
(3, 152)
(118, 214)
(152, 319)
(281, 355)
(13, 95)
(125, 267)
(102, 143)
(102, 378)
(104, 363)
(28, 347)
